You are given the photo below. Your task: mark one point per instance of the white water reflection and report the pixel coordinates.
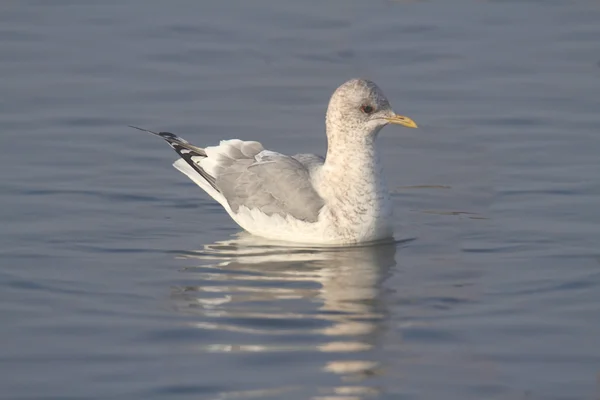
(331, 297)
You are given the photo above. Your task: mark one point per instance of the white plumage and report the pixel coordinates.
(339, 199)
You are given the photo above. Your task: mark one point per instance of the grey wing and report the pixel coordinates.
(272, 183)
(311, 162)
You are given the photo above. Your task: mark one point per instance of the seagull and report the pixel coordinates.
(338, 199)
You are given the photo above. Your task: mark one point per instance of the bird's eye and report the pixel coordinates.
(366, 109)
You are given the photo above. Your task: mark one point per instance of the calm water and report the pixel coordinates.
(120, 279)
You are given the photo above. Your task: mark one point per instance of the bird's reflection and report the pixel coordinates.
(263, 288)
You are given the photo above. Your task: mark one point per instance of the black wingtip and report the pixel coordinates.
(143, 130)
(168, 136)
(179, 145)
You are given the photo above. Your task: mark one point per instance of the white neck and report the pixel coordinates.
(353, 177)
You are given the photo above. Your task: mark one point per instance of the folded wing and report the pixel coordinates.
(272, 183)
(247, 176)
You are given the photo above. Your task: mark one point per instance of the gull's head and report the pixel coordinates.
(359, 107)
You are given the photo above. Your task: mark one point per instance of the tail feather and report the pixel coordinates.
(186, 151)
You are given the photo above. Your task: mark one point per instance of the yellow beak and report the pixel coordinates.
(402, 120)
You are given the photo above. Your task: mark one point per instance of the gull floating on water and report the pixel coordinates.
(305, 198)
